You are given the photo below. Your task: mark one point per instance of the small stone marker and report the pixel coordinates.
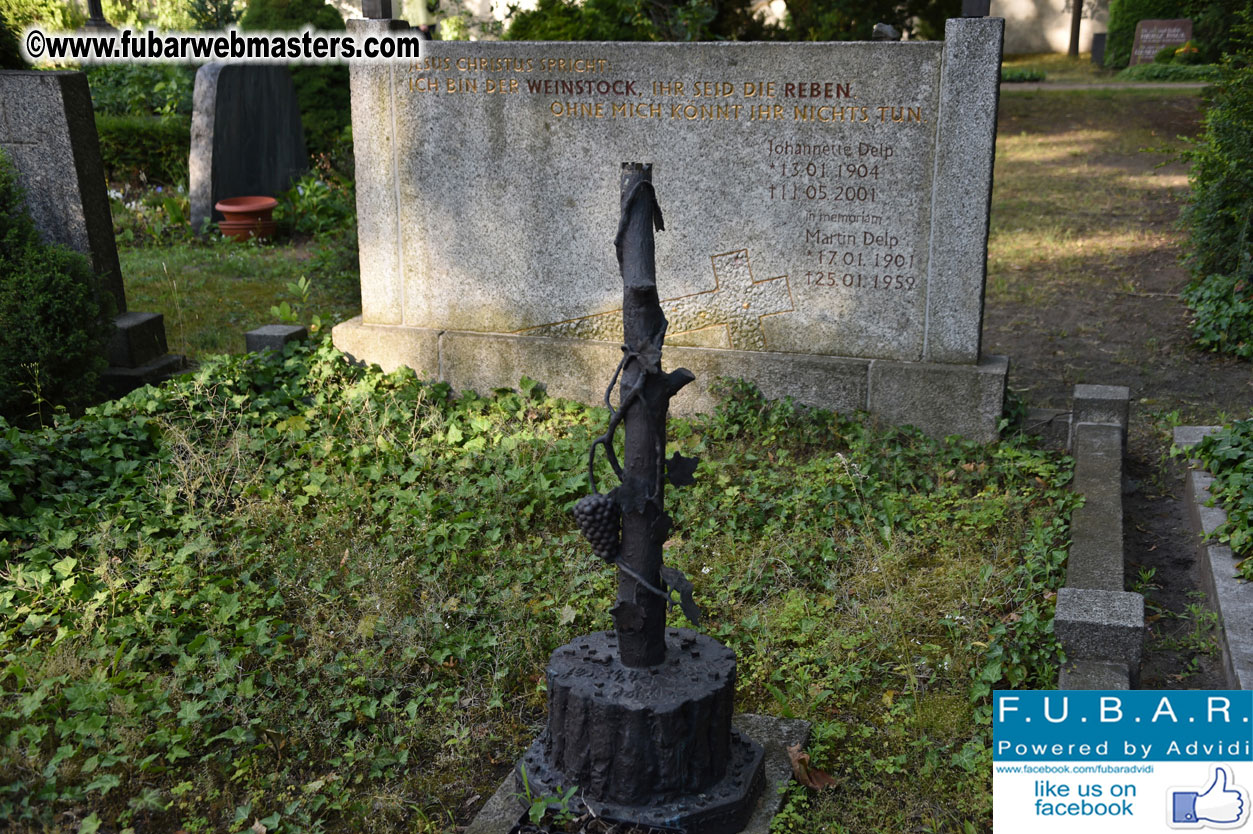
(833, 200)
(48, 129)
(273, 337)
(246, 136)
(1152, 36)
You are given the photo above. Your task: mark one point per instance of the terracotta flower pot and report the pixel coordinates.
(247, 217)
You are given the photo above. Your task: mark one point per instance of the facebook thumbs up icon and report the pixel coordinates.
(1221, 805)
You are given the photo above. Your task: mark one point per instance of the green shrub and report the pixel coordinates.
(319, 201)
(1211, 26)
(144, 148)
(1123, 17)
(1013, 76)
(636, 20)
(49, 14)
(1228, 455)
(10, 47)
(1168, 72)
(322, 91)
(1219, 213)
(51, 329)
(851, 20)
(141, 89)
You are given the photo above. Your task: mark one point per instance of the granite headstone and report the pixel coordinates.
(246, 136)
(833, 200)
(1152, 36)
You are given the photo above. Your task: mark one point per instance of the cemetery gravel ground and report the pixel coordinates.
(1083, 287)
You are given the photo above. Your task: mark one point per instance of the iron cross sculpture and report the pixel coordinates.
(629, 525)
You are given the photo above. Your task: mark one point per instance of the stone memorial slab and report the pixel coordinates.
(246, 136)
(1152, 36)
(829, 203)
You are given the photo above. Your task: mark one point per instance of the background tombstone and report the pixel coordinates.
(1152, 36)
(246, 136)
(834, 203)
(48, 129)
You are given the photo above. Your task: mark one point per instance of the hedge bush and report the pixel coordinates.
(52, 331)
(1169, 72)
(142, 89)
(152, 146)
(1219, 215)
(636, 20)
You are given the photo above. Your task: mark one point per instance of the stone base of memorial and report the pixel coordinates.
(650, 746)
(137, 353)
(939, 398)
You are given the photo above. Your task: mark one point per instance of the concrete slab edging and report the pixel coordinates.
(1100, 625)
(1230, 597)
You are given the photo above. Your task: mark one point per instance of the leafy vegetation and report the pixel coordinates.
(52, 326)
(291, 591)
(636, 20)
(1219, 215)
(1168, 72)
(144, 149)
(1227, 454)
(695, 20)
(1015, 75)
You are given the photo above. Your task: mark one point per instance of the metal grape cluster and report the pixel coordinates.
(600, 519)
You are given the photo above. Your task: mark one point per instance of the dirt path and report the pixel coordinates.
(1114, 317)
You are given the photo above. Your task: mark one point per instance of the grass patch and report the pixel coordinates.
(1057, 67)
(211, 294)
(292, 591)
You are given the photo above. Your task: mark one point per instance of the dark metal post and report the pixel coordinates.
(95, 16)
(645, 392)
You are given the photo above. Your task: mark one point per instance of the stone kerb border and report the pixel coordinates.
(1229, 597)
(1100, 625)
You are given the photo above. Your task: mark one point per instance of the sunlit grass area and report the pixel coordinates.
(1071, 198)
(1059, 67)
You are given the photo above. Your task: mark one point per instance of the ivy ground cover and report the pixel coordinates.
(289, 594)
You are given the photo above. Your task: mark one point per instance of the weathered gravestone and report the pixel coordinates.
(48, 129)
(834, 203)
(246, 136)
(1152, 36)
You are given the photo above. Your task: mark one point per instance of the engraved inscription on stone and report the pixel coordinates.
(819, 169)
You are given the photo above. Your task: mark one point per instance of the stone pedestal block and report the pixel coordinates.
(139, 339)
(273, 337)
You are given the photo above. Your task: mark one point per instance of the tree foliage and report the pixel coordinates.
(637, 20)
(698, 20)
(1219, 215)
